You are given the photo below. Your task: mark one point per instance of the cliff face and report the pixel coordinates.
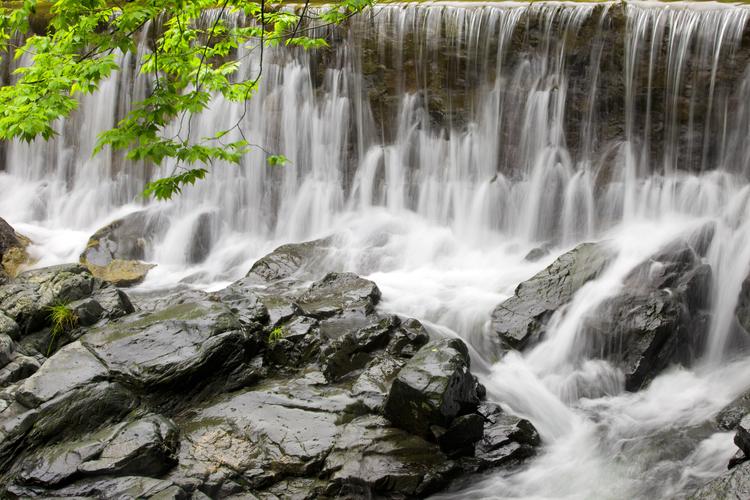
(661, 79)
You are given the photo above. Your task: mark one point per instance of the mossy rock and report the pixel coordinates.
(120, 272)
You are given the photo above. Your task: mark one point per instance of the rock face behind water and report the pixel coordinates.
(522, 318)
(255, 391)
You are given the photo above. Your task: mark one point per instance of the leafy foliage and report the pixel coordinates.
(63, 320)
(190, 64)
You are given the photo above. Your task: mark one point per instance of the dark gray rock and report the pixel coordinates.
(71, 367)
(538, 253)
(55, 464)
(353, 350)
(124, 239)
(258, 436)
(742, 310)
(521, 319)
(337, 293)
(147, 446)
(27, 300)
(151, 349)
(735, 485)
(742, 437)
(506, 439)
(374, 383)
(67, 414)
(371, 458)
(7, 349)
(292, 260)
(19, 368)
(202, 239)
(242, 298)
(659, 317)
(738, 458)
(459, 438)
(433, 388)
(730, 415)
(9, 327)
(128, 487)
(293, 344)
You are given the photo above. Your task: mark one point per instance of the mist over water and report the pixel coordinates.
(439, 143)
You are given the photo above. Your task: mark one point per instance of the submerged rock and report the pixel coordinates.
(522, 318)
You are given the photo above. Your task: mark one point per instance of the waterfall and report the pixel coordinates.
(440, 142)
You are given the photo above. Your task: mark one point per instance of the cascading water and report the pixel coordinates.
(441, 142)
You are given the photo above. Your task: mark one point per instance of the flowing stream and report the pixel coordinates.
(440, 143)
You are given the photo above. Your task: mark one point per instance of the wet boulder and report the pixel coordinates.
(432, 389)
(292, 260)
(7, 349)
(657, 319)
(258, 436)
(147, 446)
(506, 439)
(52, 465)
(521, 319)
(26, 303)
(77, 410)
(729, 417)
(371, 458)
(115, 253)
(293, 344)
(742, 436)
(28, 299)
(734, 484)
(171, 345)
(13, 254)
(71, 367)
(144, 446)
(244, 301)
(125, 487)
(339, 293)
(353, 350)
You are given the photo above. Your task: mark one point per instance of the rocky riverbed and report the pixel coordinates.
(271, 388)
(293, 383)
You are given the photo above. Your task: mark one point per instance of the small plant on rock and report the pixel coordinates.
(275, 335)
(63, 320)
